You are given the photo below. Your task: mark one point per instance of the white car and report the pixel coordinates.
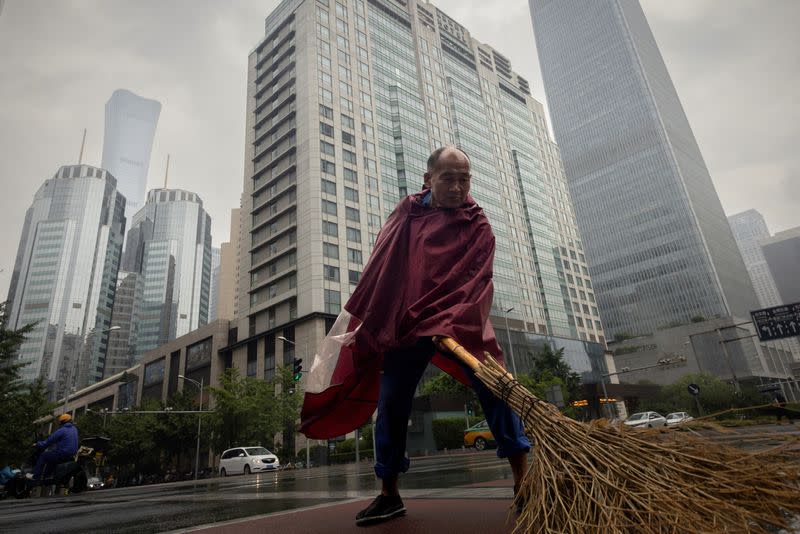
(94, 483)
(646, 420)
(246, 460)
(676, 418)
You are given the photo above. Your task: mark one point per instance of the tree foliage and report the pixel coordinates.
(715, 396)
(249, 412)
(23, 403)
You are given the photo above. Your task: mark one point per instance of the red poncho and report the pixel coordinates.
(430, 273)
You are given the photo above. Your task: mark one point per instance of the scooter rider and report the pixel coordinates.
(64, 443)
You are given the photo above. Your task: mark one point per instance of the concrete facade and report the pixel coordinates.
(782, 252)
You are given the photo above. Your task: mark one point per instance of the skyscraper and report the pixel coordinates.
(749, 229)
(130, 127)
(169, 246)
(782, 252)
(659, 246)
(339, 128)
(64, 275)
(214, 286)
(121, 342)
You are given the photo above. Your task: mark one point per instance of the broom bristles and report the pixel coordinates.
(599, 478)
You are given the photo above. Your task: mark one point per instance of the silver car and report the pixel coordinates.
(646, 420)
(676, 418)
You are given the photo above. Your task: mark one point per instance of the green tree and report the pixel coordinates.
(549, 366)
(247, 410)
(715, 396)
(175, 434)
(23, 403)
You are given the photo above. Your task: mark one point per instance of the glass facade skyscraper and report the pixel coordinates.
(346, 100)
(659, 246)
(64, 276)
(128, 140)
(169, 246)
(750, 229)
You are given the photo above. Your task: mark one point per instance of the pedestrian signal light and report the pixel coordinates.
(297, 369)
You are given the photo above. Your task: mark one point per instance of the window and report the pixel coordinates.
(348, 139)
(353, 255)
(330, 273)
(324, 62)
(333, 301)
(344, 73)
(326, 96)
(329, 207)
(342, 42)
(348, 122)
(328, 187)
(350, 194)
(349, 157)
(327, 148)
(374, 221)
(367, 130)
(341, 27)
(369, 148)
(350, 175)
(326, 112)
(330, 229)
(330, 251)
(326, 129)
(325, 78)
(328, 167)
(366, 114)
(353, 235)
(346, 104)
(366, 99)
(354, 276)
(344, 57)
(351, 214)
(370, 165)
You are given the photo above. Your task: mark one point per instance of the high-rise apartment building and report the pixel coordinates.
(130, 127)
(228, 288)
(169, 246)
(782, 252)
(64, 276)
(346, 100)
(749, 229)
(659, 246)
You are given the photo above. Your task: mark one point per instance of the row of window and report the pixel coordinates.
(329, 250)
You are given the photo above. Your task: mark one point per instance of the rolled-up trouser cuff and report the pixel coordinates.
(385, 471)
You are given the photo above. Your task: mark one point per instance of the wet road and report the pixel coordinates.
(165, 507)
(181, 505)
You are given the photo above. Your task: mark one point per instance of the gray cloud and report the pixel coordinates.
(734, 63)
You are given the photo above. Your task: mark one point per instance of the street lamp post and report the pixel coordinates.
(510, 346)
(199, 420)
(661, 363)
(308, 442)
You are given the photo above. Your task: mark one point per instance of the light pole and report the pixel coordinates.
(199, 419)
(661, 363)
(308, 442)
(70, 376)
(510, 346)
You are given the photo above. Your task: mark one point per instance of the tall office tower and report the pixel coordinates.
(130, 127)
(228, 288)
(121, 342)
(213, 292)
(659, 246)
(345, 103)
(749, 229)
(169, 246)
(782, 252)
(64, 276)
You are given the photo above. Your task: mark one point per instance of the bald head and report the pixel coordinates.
(448, 177)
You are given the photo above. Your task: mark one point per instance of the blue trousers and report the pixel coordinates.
(402, 370)
(47, 461)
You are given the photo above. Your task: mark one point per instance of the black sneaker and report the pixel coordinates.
(382, 508)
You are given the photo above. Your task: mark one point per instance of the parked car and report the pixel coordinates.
(246, 460)
(478, 436)
(646, 420)
(95, 483)
(676, 418)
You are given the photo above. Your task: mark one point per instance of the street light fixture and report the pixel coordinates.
(510, 346)
(199, 420)
(308, 442)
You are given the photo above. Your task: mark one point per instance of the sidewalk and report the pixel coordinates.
(482, 508)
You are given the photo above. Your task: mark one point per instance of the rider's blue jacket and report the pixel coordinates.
(63, 440)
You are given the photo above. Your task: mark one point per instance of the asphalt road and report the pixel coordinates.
(180, 505)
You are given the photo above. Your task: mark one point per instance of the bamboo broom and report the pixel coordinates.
(599, 478)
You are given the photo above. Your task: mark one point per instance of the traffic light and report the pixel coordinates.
(297, 369)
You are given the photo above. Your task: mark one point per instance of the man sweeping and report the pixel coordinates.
(430, 273)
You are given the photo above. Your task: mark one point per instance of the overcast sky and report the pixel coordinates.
(735, 63)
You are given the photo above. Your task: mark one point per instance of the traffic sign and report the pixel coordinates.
(694, 389)
(777, 322)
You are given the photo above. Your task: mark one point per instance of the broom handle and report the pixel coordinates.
(452, 346)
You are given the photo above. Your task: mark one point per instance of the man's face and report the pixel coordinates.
(449, 181)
